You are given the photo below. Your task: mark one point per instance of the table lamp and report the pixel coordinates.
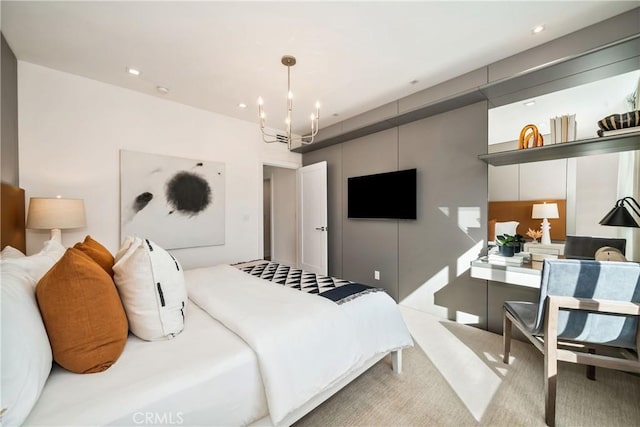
(55, 214)
(545, 211)
(619, 216)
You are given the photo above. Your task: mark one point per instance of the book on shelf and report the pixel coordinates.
(505, 260)
(571, 131)
(563, 128)
(618, 131)
(558, 122)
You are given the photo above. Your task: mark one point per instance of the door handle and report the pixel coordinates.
(322, 228)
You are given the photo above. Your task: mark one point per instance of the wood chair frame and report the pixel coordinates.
(549, 345)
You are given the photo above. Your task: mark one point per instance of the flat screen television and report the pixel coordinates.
(390, 195)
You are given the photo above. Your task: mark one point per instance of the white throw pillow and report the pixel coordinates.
(26, 353)
(508, 227)
(37, 265)
(9, 252)
(151, 285)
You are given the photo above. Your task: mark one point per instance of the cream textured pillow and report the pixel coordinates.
(26, 353)
(152, 288)
(607, 253)
(9, 252)
(38, 264)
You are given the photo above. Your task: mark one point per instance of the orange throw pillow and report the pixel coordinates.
(97, 252)
(82, 313)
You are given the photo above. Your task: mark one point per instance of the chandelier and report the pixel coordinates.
(288, 138)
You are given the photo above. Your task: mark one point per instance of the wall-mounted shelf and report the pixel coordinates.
(585, 147)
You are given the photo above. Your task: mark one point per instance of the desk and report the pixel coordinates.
(527, 274)
(507, 283)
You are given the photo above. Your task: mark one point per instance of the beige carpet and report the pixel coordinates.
(423, 396)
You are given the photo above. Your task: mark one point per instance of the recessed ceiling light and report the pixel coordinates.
(530, 103)
(242, 105)
(133, 71)
(163, 90)
(537, 29)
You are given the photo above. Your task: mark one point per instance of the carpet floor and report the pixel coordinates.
(458, 379)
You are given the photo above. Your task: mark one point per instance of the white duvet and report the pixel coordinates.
(304, 343)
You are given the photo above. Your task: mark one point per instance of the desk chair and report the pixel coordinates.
(587, 304)
(585, 247)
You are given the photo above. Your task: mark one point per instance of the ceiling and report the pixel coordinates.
(352, 56)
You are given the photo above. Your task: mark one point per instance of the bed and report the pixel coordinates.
(201, 381)
(253, 352)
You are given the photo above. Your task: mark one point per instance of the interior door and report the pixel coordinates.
(312, 218)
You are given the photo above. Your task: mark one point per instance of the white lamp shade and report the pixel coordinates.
(545, 210)
(48, 214)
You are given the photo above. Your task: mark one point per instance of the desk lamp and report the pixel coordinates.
(619, 216)
(545, 211)
(55, 214)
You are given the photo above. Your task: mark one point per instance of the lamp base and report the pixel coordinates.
(546, 232)
(56, 235)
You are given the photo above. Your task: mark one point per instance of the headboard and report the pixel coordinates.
(520, 210)
(12, 232)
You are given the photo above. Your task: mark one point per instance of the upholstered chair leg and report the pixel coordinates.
(591, 370)
(506, 338)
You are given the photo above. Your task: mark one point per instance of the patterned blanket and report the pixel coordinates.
(337, 290)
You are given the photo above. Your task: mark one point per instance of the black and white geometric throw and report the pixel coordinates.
(294, 277)
(304, 281)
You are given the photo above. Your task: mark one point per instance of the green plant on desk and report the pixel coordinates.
(509, 244)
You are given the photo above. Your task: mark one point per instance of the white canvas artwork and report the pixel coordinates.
(175, 202)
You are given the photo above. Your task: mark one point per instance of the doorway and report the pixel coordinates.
(279, 215)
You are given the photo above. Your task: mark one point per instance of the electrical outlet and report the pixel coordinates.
(376, 274)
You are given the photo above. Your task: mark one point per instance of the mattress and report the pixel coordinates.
(204, 376)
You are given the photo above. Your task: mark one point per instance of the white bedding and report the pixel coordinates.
(204, 376)
(304, 343)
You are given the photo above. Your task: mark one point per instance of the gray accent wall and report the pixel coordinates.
(8, 115)
(435, 251)
(370, 245)
(423, 263)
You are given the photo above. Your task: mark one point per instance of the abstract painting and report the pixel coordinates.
(175, 202)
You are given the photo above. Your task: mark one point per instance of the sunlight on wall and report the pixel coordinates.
(424, 296)
(468, 217)
(470, 375)
(467, 318)
(464, 260)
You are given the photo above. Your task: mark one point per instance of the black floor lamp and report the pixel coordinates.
(619, 216)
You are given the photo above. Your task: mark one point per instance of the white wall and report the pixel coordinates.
(72, 128)
(283, 202)
(596, 194)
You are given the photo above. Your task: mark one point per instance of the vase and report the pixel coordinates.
(506, 250)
